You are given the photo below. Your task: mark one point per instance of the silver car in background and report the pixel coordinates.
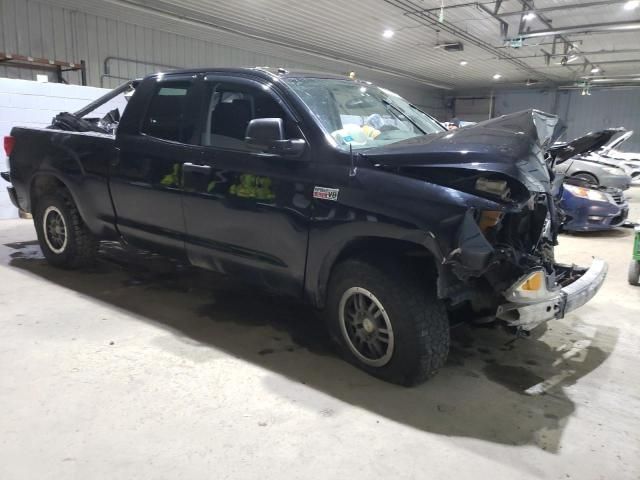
(589, 166)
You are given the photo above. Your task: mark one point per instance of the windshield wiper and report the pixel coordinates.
(389, 104)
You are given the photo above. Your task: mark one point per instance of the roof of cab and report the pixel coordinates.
(269, 73)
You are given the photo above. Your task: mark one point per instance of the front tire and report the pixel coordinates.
(65, 240)
(386, 322)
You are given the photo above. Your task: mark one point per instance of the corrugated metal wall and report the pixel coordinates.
(604, 108)
(116, 50)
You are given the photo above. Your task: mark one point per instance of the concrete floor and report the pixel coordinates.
(145, 369)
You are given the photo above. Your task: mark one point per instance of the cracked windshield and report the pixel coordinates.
(360, 114)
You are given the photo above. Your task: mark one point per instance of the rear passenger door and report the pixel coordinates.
(146, 181)
(247, 213)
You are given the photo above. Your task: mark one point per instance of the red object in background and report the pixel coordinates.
(9, 143)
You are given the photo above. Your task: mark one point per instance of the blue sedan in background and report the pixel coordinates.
(589, 209)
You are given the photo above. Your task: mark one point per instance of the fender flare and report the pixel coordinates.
(317, 286)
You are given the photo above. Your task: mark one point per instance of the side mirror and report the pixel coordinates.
(267, 135)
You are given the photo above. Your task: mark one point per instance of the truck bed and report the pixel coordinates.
(80, 159)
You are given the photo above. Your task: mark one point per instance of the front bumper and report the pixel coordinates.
(527, 314)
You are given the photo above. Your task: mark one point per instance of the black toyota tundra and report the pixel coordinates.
(326, 188)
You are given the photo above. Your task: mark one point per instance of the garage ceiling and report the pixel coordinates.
(495, 36)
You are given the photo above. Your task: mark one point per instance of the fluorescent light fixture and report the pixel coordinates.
(631, 5)
(595, 70)
(388, 33)
(464, 62)
(528, 16)
(497, 76)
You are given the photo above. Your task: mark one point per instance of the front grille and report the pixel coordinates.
(616, 194)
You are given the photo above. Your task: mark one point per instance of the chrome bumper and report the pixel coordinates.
(529, 314)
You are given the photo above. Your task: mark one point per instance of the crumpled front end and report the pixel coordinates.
(507, 255)
(508, 260)
(497, 253)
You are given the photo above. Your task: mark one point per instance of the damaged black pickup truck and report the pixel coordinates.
(329, 189)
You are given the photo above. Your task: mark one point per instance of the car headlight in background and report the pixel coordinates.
(589, 193)
(613, 170)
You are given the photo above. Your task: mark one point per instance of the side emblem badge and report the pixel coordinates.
(326, 193)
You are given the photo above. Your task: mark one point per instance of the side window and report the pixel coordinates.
(231, 108)
(165, 117)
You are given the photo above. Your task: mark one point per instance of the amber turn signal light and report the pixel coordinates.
(533, 283)
(489, 218)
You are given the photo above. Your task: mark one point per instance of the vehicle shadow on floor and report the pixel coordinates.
(494, 387)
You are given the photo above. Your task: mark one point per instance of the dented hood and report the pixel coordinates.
(513, 145)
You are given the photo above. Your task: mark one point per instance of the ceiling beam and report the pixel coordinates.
(611, 27)
(593, 52)
(564, 7)
(529, 5)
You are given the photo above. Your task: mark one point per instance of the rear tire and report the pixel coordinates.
(634, 273)
(64, 238)
(387, 322)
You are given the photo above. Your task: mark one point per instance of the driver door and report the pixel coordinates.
(246, 213)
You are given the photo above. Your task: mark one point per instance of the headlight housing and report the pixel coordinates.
(589, 193)
(499, 188)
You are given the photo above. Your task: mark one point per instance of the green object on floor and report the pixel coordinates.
(634, 267)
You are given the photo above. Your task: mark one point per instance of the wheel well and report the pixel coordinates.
(42, 185)
(414, 257)
(585, 173)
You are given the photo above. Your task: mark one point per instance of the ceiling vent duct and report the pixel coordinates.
(454, 47)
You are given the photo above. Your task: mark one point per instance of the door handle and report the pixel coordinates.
(204, 169)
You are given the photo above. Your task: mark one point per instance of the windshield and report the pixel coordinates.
(361, 115)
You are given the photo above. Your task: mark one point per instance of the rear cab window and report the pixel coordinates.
(166, 116)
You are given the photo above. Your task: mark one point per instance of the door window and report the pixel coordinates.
(232, 107)
(165, 117)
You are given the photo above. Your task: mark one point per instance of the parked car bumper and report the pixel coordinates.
(585, 215)
(527, 312)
